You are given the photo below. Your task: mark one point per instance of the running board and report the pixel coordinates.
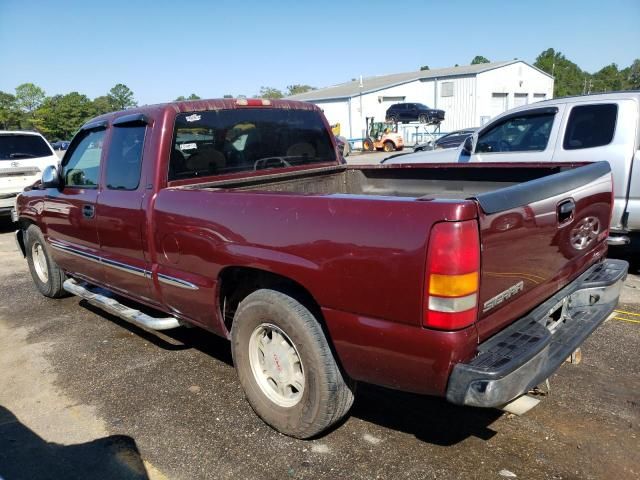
(116, 308)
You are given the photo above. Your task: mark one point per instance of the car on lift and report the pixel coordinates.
(413, 112)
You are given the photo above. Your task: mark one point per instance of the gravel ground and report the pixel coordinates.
(85, 395)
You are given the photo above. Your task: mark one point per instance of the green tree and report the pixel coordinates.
(424, 67)
(182, 98)
(60, 116)
(607, 79)
(9, 112)
(632, 77)
(121, 97)
(101, 105)
(297, 89)
(479, 59)
(569, 78)
(29, 97)
(269, 92)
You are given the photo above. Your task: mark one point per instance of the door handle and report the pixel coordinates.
(566, 210)
(88, 211)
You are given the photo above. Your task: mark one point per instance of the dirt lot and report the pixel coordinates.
(85, 395)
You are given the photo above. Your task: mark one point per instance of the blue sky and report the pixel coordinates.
(163, 49)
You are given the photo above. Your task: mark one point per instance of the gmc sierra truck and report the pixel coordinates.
(473, 282)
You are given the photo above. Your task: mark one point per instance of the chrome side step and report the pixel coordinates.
(617, 240)
(116, 308)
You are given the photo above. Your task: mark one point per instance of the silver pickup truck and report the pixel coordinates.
(586, 128)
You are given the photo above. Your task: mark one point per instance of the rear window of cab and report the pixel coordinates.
(240, 140)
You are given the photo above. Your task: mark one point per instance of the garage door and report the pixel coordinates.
(520, 99)
(498, 103)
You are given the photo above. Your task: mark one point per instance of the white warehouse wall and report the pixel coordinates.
(468, 101)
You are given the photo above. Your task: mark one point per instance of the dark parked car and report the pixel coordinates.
(413, 112)
(60, 145)
(450, 140)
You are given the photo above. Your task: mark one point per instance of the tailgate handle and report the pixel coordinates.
(88, 211)
(566, 209)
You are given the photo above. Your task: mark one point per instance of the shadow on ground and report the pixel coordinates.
(6, 225)
(430, 419)
(24, 455)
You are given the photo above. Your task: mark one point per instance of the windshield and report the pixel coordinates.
(231, 141)
(16, 146)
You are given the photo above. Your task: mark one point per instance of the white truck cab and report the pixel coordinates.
(23, 157)
(585, 128)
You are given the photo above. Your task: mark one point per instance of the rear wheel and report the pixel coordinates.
(46, 274)
(367, 145)
(285, 365)
(388, 146)
(393, 118)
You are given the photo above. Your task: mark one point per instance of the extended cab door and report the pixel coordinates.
(523, 136)
(120, 213)
(69, 214)
(602, 130)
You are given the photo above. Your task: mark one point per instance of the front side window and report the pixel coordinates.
(124, 159)
(81, 167)
(590, 126)
(526, 133)
(15, 146)
(239, 140)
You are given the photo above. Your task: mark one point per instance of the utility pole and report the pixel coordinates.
(584, 88)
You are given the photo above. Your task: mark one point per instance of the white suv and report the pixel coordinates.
(23, 157)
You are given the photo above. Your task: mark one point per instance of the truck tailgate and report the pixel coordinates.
(536, 237)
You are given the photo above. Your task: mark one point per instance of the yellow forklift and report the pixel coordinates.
(382, 136)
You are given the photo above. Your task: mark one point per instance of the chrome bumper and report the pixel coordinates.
(528, 351)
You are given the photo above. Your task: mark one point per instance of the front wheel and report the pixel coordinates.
(46, 274)
(388, 146)
(285, 365)
(367, 145)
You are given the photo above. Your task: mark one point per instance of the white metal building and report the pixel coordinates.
(470, 94)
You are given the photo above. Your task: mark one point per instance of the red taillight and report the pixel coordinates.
(453, 275)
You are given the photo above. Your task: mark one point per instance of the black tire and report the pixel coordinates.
(388, 146)
(367, 145)
(393, 118)
(327, 396)
(51, 286)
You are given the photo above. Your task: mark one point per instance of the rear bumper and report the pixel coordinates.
(528, 351)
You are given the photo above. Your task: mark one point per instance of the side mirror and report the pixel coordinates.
(467, 146)
(50, 177)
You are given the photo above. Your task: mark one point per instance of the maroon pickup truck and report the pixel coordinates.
(469, 281)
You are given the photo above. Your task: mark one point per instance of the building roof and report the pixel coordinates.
(372, 84)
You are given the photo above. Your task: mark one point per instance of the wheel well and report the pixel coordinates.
(238, 282)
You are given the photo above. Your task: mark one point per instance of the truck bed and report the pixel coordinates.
(423, 182)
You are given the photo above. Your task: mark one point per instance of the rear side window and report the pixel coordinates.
(81, 167)
(249, 139)
(590, 126)
(124, 159)
(13, 147)
(526, 133)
